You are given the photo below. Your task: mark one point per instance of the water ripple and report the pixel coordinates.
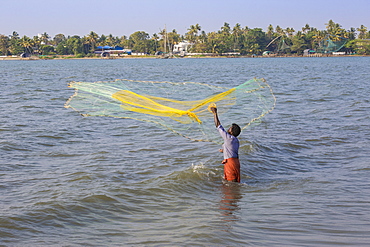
(76, 181)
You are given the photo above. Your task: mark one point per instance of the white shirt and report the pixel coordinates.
(231, 144)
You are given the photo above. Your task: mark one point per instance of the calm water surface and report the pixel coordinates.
(66, 180)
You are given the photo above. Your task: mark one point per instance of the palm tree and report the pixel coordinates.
(173, 38)
(331, 26)
(335, 30)
(289, 31)
(226, 28)
(213, 41)
(92, 39)
(163, 33)
(15, 47)
(86, 45)
(279, 30)
(111, 40)
(4, 45)
(306, 28)
(237, 34)
(318, 37)
(37, 43)
(362, 32)
(14, 35)
(155, 37)
(193, 32)
(226, 39)
(203, 37)
(45, 38)
(102, 40)
(198, 27)
(270, 31)
(352, 33)
(26, 43)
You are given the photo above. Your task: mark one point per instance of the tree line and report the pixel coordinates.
(244, 40)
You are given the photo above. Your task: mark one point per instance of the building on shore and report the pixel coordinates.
(182, 48)
(106, 51)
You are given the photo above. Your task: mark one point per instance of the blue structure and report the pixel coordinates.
(106, 51)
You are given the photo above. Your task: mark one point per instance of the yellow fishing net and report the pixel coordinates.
(166, 104)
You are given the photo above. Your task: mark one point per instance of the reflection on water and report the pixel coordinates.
(229, 204)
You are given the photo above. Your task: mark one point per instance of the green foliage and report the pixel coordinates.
(62, 49)
(140, 41)
(74, 45)
(4, 45)
(359, 46)
(15, 47)
(254, 41)
(47, 50)
(80, 55)
(228, 39)
(298, 44)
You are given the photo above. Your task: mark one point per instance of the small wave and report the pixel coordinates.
(49, 137)
(14, 147)
(98, 199)
(195, 177)
(59, 154)
(79, 176)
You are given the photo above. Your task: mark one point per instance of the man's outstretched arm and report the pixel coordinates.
(215, 116)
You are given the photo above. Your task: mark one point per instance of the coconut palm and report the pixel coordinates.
(318, 37)
(335, 30)
(306, 28)
(14, 35)
(226, 28)
(289, 31)
(45, 38)
(237, 34)
(15, 47)
(92, 39)
(111, 40)
(163, 33)
(203, 37)
(173, 38)
(362, 32)
(270, 31)
(351, 33)
(155, 37)
(4, 45)
(36, 43)
(192, 33)
(279, 30)
(26, 43)
(213, 41)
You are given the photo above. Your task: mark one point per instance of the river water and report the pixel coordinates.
(68, 180)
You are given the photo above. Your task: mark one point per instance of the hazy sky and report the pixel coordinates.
(124, 17)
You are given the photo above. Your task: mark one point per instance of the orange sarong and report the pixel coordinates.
(232, 169)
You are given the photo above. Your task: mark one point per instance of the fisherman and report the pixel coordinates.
(230, 149)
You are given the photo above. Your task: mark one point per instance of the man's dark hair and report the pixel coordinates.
(235, 129)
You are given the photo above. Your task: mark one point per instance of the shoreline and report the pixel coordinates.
(35, 58)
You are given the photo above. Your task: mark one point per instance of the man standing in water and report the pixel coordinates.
(230, 149)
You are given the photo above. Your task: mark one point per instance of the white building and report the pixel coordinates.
(182, 47)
